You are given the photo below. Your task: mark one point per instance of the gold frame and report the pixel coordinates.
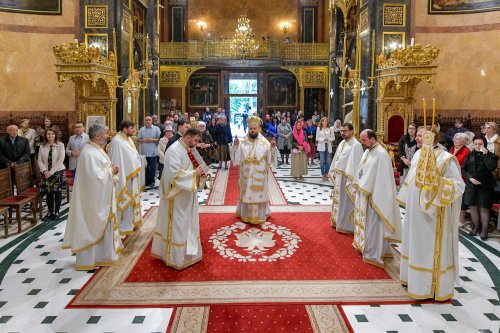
(87, 35)
(403, 34)
(39, 12)
(394, 5)
(86, 13)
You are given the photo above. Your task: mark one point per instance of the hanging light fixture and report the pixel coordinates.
(243, 40)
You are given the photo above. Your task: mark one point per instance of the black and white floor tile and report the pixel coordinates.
(37, 280)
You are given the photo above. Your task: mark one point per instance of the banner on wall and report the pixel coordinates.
(47, 7)
(440, 7)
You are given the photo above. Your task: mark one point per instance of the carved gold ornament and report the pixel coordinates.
(394, 15)
(96, 16)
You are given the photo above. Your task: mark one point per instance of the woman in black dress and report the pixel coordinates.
(477, 169)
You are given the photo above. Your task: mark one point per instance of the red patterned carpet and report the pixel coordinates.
(232, 191)
(305, 248)
(260, 318)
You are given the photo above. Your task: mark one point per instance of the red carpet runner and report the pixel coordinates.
(232, 191)
(260, 318)
(322, 254)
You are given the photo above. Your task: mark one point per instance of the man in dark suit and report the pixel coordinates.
(182, 126)
(14, 149)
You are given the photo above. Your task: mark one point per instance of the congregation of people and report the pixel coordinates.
(442, 176)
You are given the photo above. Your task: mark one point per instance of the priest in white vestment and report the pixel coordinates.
(377, 219)
(176, 238)
(254, 156)
(342, 171)
(92, 228)
(432, 194)
(123, 153)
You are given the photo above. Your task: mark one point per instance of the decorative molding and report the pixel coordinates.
(96, 16)
(309, 3)
(178, 2)
(314, 78)
(394, 15)
(170, 78)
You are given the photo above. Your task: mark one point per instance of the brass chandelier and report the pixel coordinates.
(243, 41)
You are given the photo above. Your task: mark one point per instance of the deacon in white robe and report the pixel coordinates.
(432, 194)
(123, 153)
(254, 156)
(377, 219)
(92, 228)
(342, 172)
(176, 239)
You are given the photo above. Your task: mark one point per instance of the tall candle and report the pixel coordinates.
(131, 46)
(425, 113)
(433, 111)
(114, 49)
(373, 54)
(147, 59)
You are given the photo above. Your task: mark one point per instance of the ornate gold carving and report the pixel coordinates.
(78, 54)
(398, 77)
(100, 89)
(363, 21)
(97, 108)
(170, 77)
(94, 75)
(223, 49)
(96, 16)
(314, 78)
(394, 15)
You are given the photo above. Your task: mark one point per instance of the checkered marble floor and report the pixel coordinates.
(38, 280)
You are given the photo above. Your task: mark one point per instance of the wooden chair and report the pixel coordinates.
(16, 202)
(25, 186)
(4, 212)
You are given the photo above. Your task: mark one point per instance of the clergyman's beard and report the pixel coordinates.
(253, 135)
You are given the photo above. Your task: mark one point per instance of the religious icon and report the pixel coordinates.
(204, 90)
(281, 90)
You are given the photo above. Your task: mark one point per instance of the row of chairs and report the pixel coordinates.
(27, 195)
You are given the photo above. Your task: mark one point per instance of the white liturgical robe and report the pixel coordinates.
(176, 238)
(429, 253)
(254, 158)
(377, 219)
(92, 228)
(123, 153)
(342, 171)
